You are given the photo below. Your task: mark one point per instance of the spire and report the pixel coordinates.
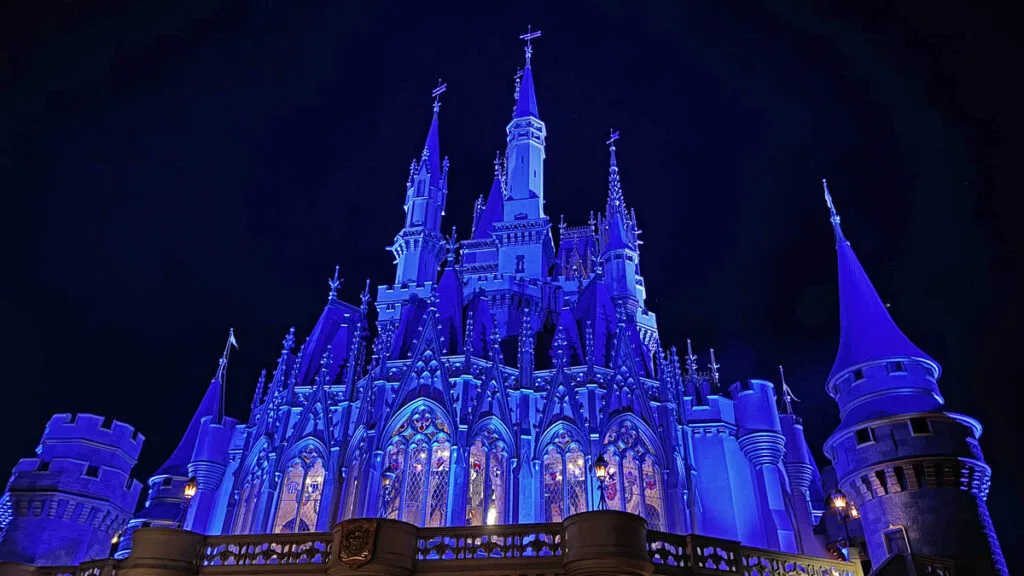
(526, 344)
(334, 283)
(714, 366)
(261, 385)
(326, 363)
(364, 299)
(867, 333)
(787, 394)
(691, 360)
(491, 212)
(282, 362)
(615, 212)
(526, 99)
(211, 406)
(495, 343)
(431, 155)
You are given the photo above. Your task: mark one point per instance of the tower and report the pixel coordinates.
(75, 495)
(621, 257)
(524, 234)
(419, 246)
(915, 472)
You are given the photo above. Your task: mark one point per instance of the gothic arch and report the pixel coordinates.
(488, 474)
(554, 430)
(304, 473)
(562, 452)
(356, 476)
(401, 416)
(254, 480)
(417, 468)
(634, 482)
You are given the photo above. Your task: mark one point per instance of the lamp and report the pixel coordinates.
(601, 472)
(839, 500)
(191, 487)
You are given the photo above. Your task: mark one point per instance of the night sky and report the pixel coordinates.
(169, 171)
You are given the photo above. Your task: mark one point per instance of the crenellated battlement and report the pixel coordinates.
(94, 429)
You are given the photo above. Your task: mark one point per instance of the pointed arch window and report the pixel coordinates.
(249, 500)
(564, 478)
(355, 483)
(301, 491)
(488, 471)
(418, 471)
(633, 482)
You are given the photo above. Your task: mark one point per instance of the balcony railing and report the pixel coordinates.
(518, 548)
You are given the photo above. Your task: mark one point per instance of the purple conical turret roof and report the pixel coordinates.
(209, 406)
(432, 151)
(526, 105)
(867, 333)
(493, 209)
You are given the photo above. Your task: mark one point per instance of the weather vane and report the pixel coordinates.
(436, 93)
(530, 35)
(612, 139)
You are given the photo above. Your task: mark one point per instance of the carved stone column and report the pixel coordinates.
(606, 543)
(373, 547)
(163, 552)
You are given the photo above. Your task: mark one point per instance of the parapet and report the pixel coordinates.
(107, 432)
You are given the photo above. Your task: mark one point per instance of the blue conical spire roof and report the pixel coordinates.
(431, 156)
(615, 212)
(867, 333)
(209, 407)
(526, 105)
(493, 209)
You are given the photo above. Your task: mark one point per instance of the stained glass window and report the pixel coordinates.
(634, 476)
(250, 497)
(488, 460)
(477, 483)
(652, 495)
(416, 480)
(553, 485)
(242, 516)
(301, 489)
(576, 479)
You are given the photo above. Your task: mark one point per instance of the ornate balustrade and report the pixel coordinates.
(473, 542)
(675, 554)
(266, 549)
(509, 550)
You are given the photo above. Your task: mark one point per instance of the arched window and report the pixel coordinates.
(488, 470)
(355, 484)
(418, 469)
(633, 483)
(564, 479)
(249, 499)
(301, 490)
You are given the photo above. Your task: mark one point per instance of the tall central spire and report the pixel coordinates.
(867, 331)
(526, 103)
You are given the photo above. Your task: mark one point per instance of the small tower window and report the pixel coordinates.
(858, 374)
(896, 541)
(896, 367)
(920, 426)
(520, 264)
(92, 471)
(166, 482)
(44, 466)
(865, 436)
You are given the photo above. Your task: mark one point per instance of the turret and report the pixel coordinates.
(196, 456)
(524, 234)
(620, 257)
(419, 247)
(70, 500)
(762, 442)
(915, 473)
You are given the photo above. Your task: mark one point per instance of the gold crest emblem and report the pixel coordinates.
(357, 538)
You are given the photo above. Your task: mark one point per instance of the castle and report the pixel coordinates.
(493, 379)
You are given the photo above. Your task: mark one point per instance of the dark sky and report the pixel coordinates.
(172, 169)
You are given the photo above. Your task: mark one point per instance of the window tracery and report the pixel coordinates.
(249, 499)
(633, 482)
(301, 492)
(488, 462)
(418, 471)
(564, 478)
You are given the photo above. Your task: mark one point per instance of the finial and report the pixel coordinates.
(529, 36)
(611, 141)
(560, 346)
(691, 360)
(787, 394)
(436, 93)
(364, 296)
(561, 224)
(714, 366)
(334, 283)
(289, 341)
(833, 216)
(261, 383)
(452, 244)
(495, 342)
(589, 335)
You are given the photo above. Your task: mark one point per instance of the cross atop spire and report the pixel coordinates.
(334, 283)
(436, 93)
(833, 216)
(529, 36)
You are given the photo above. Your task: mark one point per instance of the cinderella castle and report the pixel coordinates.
(516, 376)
